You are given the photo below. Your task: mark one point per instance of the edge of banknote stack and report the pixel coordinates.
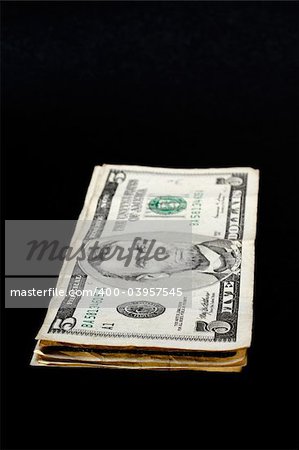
(199, 345)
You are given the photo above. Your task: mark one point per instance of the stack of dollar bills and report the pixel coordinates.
(162, 276)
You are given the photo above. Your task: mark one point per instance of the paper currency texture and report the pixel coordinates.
(164, 260)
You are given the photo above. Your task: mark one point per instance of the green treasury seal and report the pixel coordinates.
(167, 204)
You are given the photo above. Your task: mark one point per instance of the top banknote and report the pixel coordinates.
(164, 259)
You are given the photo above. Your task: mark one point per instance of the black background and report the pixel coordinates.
(178, 84)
